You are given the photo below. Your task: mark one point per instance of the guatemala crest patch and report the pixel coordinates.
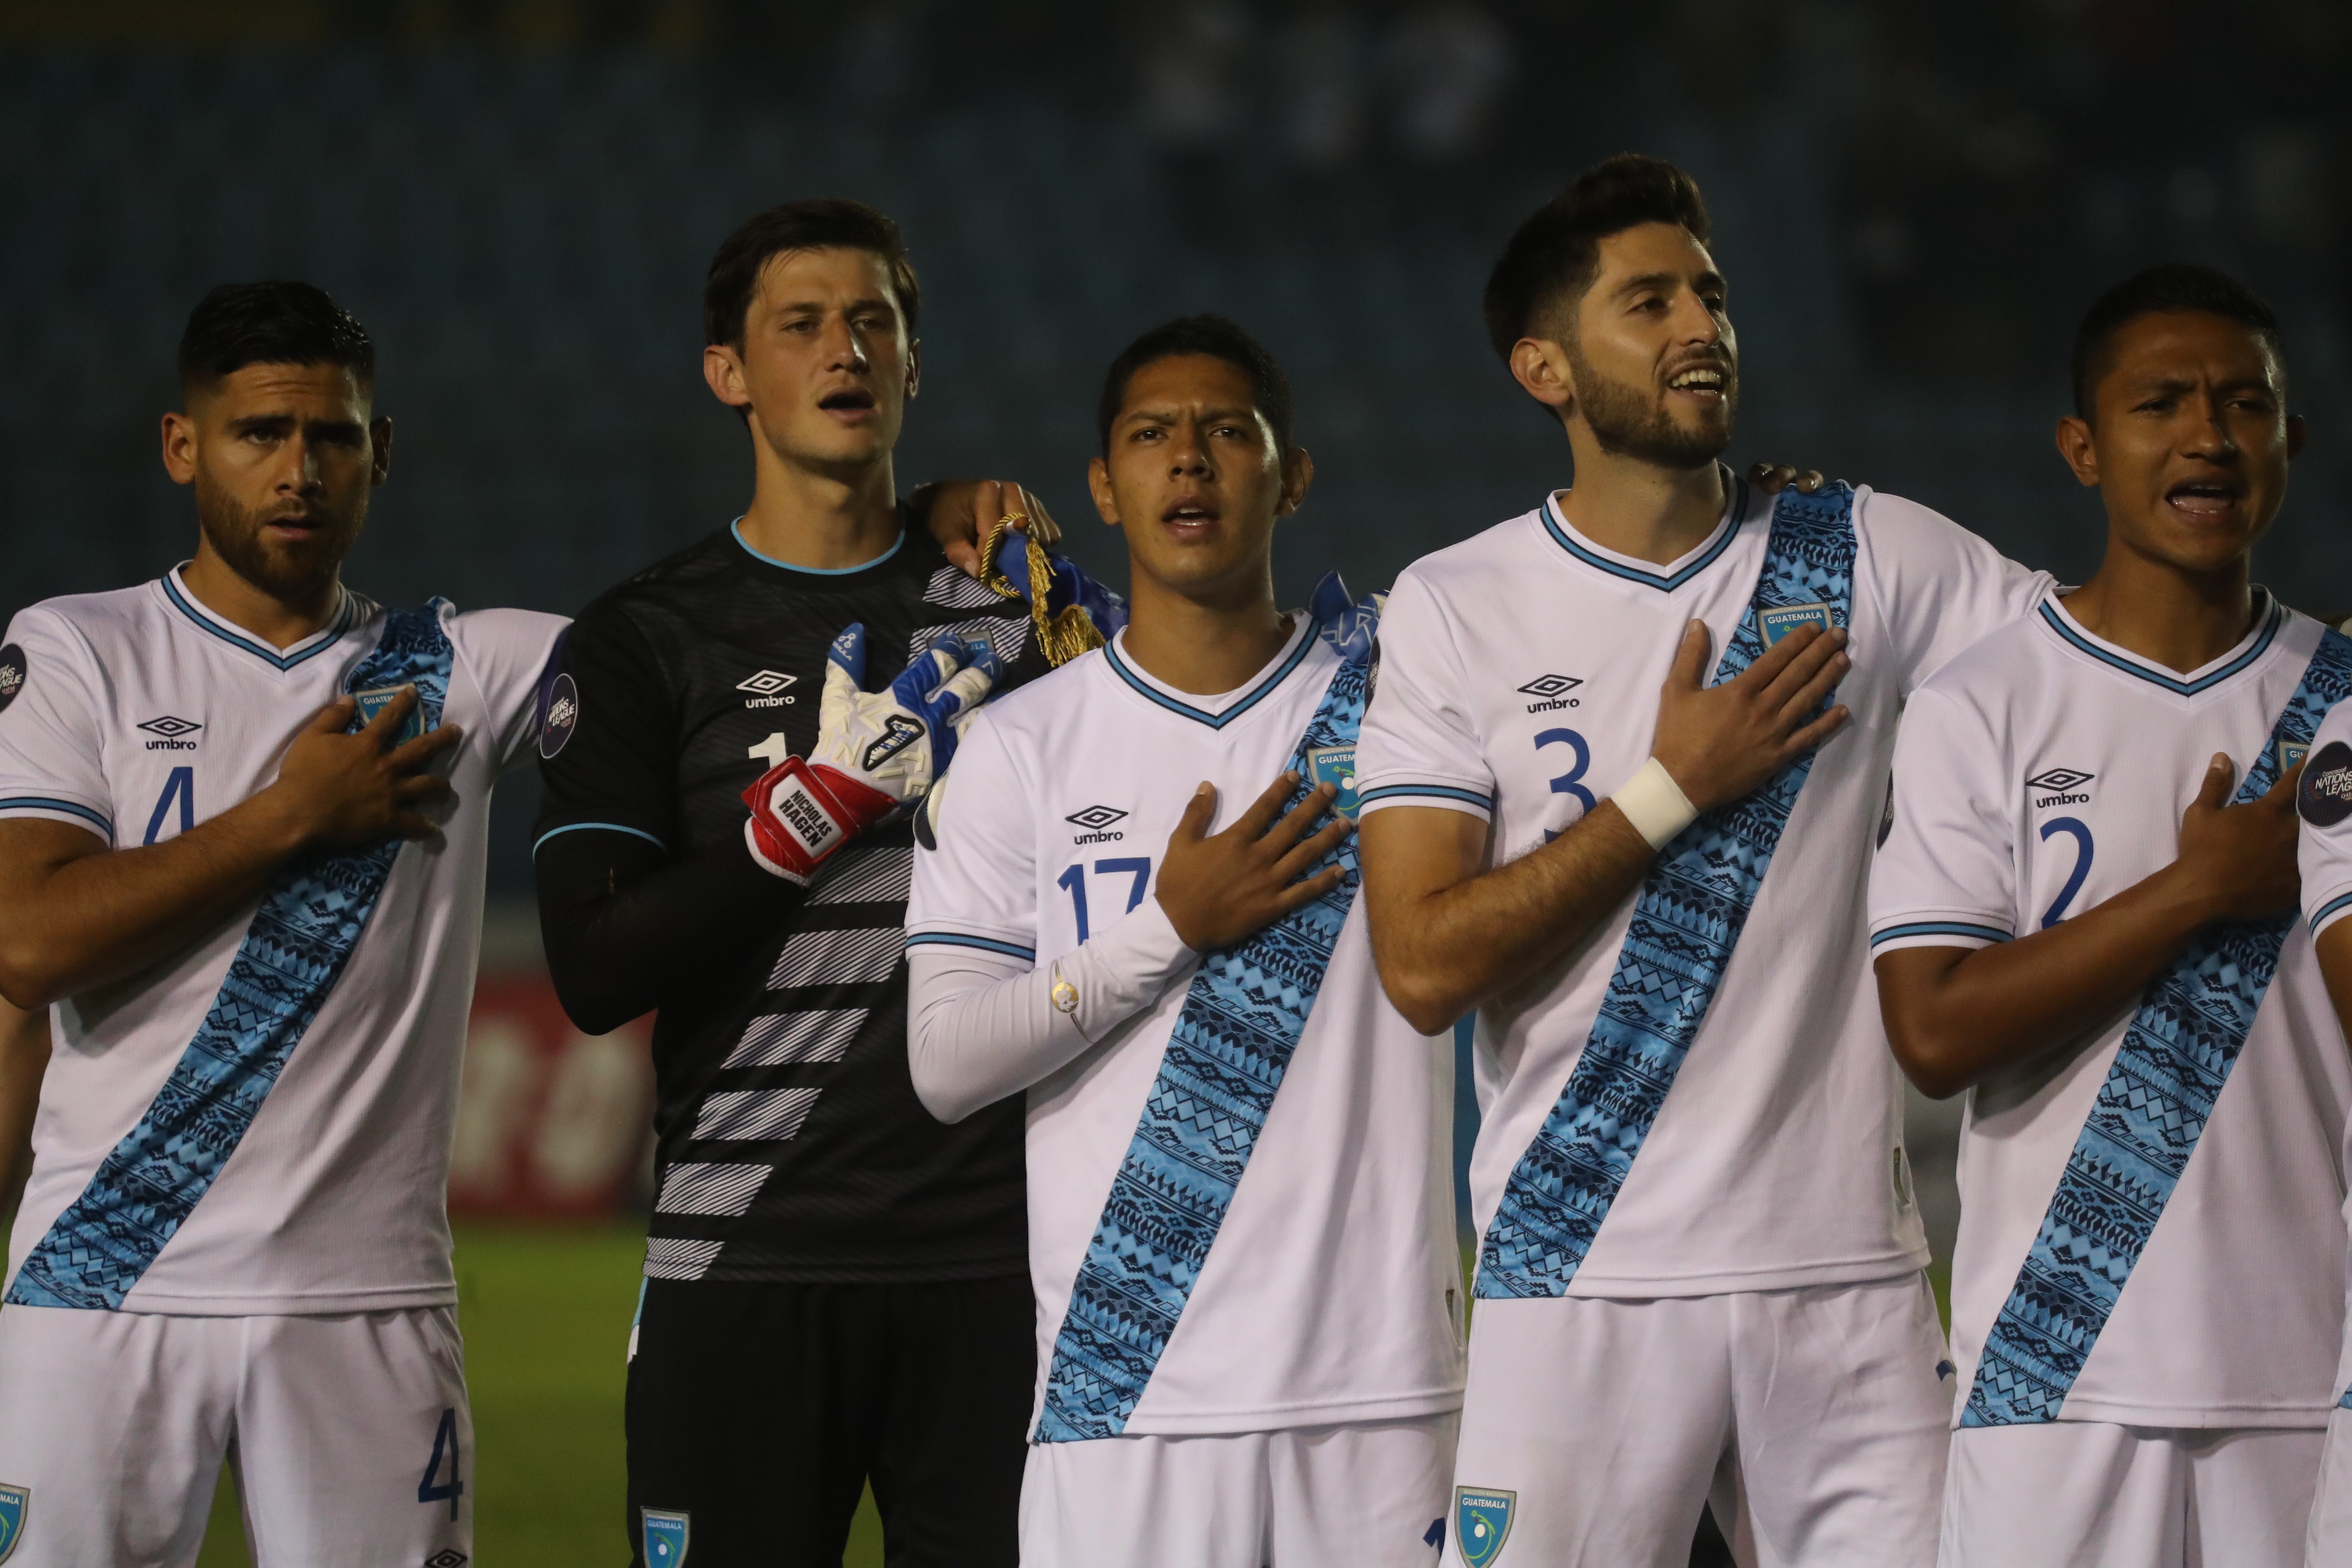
(1781, 619)
(1336, 765)
(14, 1503)
(665, 1538)
(1482, 1523)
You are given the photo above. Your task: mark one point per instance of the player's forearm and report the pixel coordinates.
(626, 930)
(24, 1061)
(1957, 1016)
(981, 1026)
(1446, 950)
(74, 914)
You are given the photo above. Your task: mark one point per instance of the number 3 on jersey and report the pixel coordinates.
(1074, 881)
(1568, 783)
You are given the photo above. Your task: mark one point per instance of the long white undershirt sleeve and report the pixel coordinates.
(985, 1025)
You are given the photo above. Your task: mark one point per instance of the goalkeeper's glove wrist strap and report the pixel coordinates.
(802, 813)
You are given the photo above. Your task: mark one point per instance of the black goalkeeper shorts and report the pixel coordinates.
(760, 1412)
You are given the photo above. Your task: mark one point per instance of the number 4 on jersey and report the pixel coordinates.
(445, 1441)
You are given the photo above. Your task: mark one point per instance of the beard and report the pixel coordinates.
(288, 572)
(1629, 421)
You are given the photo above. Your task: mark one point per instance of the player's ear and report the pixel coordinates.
(1541, 367)
(380, 449)
(914, 367)
(2077, 445)
(2296, 431)
(1099, 486)
(722, 372)
(180, 447)
(1298, 473)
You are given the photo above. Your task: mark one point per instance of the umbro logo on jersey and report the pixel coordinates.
(450, 1558)
(170, 734)
(767, 688)
(1551, 691)
(1097, 820)
(2323, 796)
(2059, 782)
(11, 673)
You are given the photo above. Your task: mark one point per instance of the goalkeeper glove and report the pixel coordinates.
(877, 753)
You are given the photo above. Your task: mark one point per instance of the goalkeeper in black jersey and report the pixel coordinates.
(835, 1284)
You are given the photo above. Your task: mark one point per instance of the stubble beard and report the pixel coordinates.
(290, 575)
(1628, 421)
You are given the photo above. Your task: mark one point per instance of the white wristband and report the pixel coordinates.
(1654, 804)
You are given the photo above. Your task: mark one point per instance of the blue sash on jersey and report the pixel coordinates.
(1692, 908)
(2157, 1097)
(1242, 1020)
(307, 924)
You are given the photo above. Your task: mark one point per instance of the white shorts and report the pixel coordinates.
(2089, 1494)
(1368, 1494)
(2330, 1539)
(349, 1435)
(1812, 1421)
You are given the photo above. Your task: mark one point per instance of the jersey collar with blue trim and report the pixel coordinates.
(1232, 705)
(175, 591)
(1666, 578)
(2270, 617)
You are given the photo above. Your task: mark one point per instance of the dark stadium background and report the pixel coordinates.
(519, 196)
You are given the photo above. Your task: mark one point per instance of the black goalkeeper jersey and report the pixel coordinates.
(791, 1147)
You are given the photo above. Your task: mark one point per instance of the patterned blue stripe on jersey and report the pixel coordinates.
(2153, 1106)
(1430, 792)
(1692, 907)
(45, 803)
(1941, 928)
(1202, 715)
(267, 654)
(1730, 531)
(2075, 639)
(293, 952)
(957, 939)
(2319, 916)
(1241, 1019)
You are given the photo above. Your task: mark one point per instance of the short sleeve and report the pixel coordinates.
(508, 654)
(608, 747)
(2323, 801)
(1938, 587)
(976, 881)
(1419, 744)
(1946, 875)
(52, 763)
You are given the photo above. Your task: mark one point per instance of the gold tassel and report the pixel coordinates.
(1064, 635)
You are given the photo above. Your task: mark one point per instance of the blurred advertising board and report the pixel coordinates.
(552, 1123)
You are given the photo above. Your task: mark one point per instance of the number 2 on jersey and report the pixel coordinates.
(1074, 881)
(2080, 831)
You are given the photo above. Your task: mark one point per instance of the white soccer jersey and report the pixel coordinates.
(2324, 851)
(2039, 773)
(1332, 1291)
(136, 715)
(1518, 680)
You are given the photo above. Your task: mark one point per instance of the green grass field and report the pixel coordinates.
(546, 1320)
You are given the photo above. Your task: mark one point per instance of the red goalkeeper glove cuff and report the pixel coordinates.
(803, 813)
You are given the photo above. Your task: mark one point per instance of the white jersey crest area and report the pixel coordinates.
(137, 715)
(1332, 1291)
(1518, 680)
(2042, 772)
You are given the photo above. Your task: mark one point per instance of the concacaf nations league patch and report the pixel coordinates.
(12, 674)
(561, 717)
(14, 1503)
(1482, 1523)
(2325, 795)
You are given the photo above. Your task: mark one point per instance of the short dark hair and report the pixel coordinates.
(1219, 337)
(1557, 252)
(825, 224)
(274, 322)
(2168, 286)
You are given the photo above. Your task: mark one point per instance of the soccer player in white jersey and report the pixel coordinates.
(2324, 800)
(242, 820)
(2084, 916)
(1700, 1276)
(1248, 1302)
